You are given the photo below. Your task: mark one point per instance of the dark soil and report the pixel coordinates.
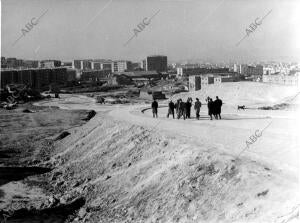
(26, 143)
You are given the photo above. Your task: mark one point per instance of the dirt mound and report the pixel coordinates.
(166, 178)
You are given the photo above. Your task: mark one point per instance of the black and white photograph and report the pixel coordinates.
(155, 111)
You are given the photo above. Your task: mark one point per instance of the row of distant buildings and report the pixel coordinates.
(197, 82)
(245, 70)
(39, 74)
(200, 77)
(14, 63)
(151, 63)
(37, 78)
(258, 68)
(185, 72)
(121, 71)
(271, 74)
(282, 79)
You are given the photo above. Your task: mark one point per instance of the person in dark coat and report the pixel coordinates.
(207, 99)
(154, 108)
(171, 109)
(197, 107)
(214, 109)
(177, 106)
(210, 107)
(182, 110)
(218, 104)
(188, 106)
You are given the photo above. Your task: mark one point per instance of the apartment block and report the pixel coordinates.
(37, 78)
(157, 63)
(49, 63)
(121, 66)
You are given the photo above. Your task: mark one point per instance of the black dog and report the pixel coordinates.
(241, 107)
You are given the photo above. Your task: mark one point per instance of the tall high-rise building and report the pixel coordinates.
(157, 63)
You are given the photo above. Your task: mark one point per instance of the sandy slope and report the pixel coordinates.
(163, 178)
(137, 169)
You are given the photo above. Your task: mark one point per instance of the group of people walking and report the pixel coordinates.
(214, 107)
(183, 109)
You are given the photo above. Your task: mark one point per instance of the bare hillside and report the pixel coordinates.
(130, 174)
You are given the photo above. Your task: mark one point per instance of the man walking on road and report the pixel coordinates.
(188, 106)
(218, 104)
(210, 107)
(171, 109)
(182, 110)
(197, 107)
(214, 109)
(154, 108)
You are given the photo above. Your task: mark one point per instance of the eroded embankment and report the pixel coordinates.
(127, 173)
(26, 144)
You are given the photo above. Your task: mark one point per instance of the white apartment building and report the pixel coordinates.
(179, 71)
(121, 66)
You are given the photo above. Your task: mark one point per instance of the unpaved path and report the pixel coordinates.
(278, 144)
(153, 168)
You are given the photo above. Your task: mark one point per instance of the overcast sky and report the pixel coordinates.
(181, 29)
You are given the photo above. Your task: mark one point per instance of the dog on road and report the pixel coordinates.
(241, 107)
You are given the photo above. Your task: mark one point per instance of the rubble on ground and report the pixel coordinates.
(14, 94)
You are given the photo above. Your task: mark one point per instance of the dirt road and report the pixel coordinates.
(278, 144)
(139, 169)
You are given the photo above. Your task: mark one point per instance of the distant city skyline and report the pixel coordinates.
(183, 30)
(182, 62)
